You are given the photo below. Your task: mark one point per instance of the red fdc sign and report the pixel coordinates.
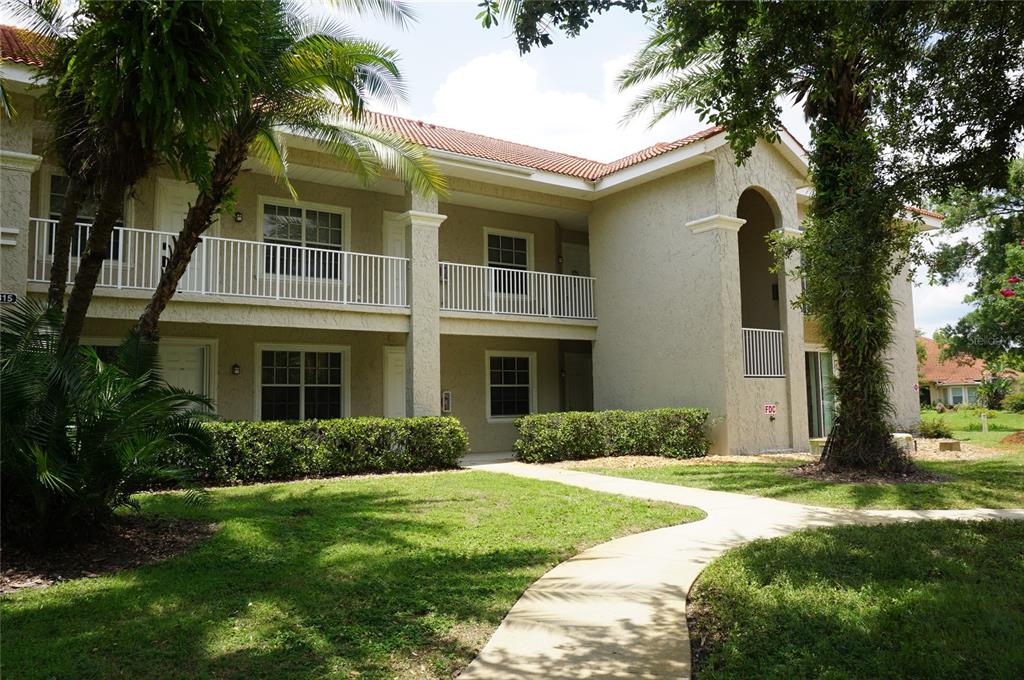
(770, 409)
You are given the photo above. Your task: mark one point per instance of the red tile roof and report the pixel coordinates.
(21, 46)
(952, 371)
(481, 146)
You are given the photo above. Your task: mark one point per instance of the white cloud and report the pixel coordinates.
(505, 96)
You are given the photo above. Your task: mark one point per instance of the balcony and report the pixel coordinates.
(763, 353)
(234, 268)
(491, 290)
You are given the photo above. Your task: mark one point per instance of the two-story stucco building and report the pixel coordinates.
(542, 282)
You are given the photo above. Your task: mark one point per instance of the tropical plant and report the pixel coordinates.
(313, 80)
(995, 386)
(133, 84)
(903, 100)
(80, 435)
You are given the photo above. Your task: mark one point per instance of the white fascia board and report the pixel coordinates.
(791, 150)
(658, 166)
(20, 77)
(507, 174)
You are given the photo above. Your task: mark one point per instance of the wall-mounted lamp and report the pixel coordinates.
(236, 369)
(561, 259)
(238, 217)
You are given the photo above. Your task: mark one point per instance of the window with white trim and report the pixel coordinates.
(510, 252)
(86, 215)
(956, 395)
(509, 386)
(299, 384)
(303, 227)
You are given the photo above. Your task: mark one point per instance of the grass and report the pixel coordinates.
(398, 576)
(843, 603)
(987, 483)
(966, 425)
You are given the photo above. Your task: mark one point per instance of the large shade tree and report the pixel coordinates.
(994, 328)
(903, 100)
(313, 79)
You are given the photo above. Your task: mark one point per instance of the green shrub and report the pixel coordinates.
(255, 451)
(1014, 402)
(933, 429)
(670, 432)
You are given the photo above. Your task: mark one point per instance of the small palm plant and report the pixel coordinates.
(81, 435)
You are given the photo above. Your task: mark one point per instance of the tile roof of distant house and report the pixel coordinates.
(950, 372)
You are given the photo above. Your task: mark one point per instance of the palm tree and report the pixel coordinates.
(80, 435)
(315, 81)
(133, 85)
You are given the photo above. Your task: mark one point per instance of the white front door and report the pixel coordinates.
(393, 235)
(394, 382)
(173, 201)
(185, 366)
(575, 259)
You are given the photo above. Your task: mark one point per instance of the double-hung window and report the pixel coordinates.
(511, 254)
(956, 395)
(310, 240)
(301, 384)
(510, 384)
(86, 215)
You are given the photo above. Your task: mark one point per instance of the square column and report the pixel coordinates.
(423, 346)
(792, 323)
(16, 170)
(718, 239)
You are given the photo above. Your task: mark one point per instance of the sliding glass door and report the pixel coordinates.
(821, 404)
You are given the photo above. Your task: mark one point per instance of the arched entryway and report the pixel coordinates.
(760, 293)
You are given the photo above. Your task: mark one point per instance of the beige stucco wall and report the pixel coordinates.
(462, 235)
(16, 171)
(463, 371)
(669, 305)
(236, 394)
(902, 357)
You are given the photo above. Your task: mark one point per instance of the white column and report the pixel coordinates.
(423, 346)
(721, 236)
(16, 168)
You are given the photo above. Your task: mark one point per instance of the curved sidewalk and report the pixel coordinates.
(618, 610)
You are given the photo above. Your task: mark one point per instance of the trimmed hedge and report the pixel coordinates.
(255, 451)
(578, 435)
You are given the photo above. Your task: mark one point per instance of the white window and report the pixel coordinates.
(956, 395)
(509, 250)
(511, 384)
(86, 214)
(324, 228)
(302, 383)
(972, 394)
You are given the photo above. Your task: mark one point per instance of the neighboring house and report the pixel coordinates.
(951, 382)
(543, 282)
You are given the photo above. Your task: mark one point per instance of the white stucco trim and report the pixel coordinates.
(257, 367)
(711, 222)
(16, 161)
(420, 218)
(9, 236)
(532, 356)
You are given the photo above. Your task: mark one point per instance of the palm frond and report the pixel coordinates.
(269, 148)
(399, 13)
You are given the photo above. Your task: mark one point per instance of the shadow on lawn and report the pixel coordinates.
(316, 583)
(988, 483)
(931, 600)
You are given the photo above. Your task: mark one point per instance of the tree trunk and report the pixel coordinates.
(67, 230)
(226, 166)
(853, 242)
(108, 212)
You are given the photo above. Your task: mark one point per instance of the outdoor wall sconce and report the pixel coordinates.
(238, 217)
(236, 369)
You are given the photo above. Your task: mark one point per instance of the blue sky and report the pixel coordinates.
(562, 98)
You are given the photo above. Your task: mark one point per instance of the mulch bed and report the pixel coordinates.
(1014, 438)
(914, 475)
(131, 542)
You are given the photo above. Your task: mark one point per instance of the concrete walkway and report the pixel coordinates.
(618, 610)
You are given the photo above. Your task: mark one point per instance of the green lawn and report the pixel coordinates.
(966, 425)
(926, 600)
(398, 576)
(988, 483)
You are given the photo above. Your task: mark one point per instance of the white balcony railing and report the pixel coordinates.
(233, 267)
(472, 288)
(763, 353)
